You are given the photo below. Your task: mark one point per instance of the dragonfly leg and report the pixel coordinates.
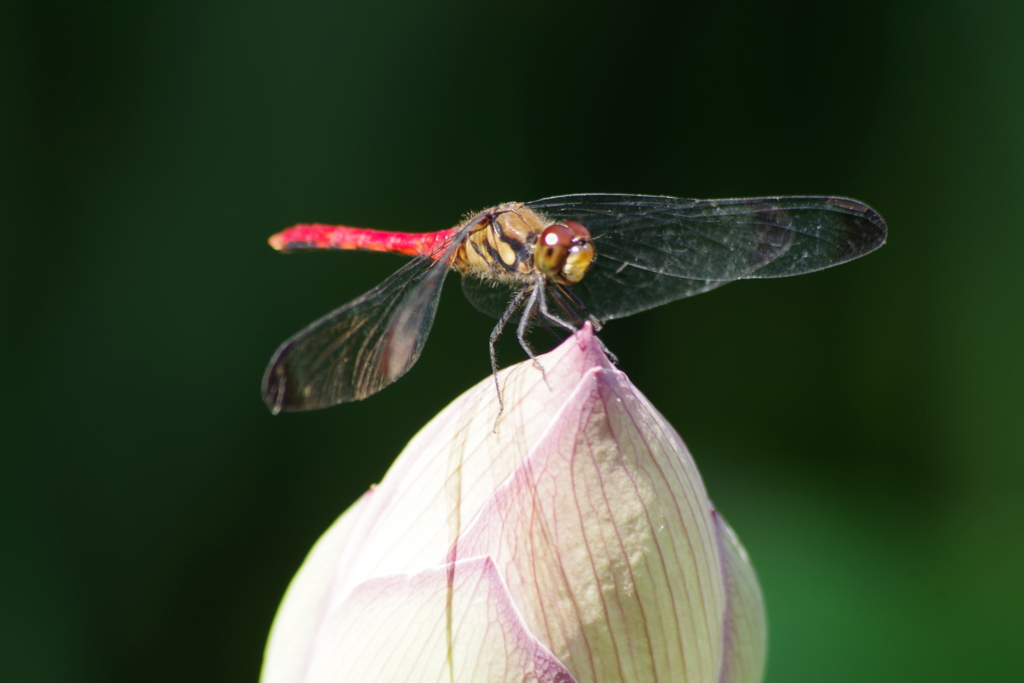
(591, 318)
(551, 316)
(536, 293)
(608, 352)
(524, 323)
(579, 304)
(495, 333)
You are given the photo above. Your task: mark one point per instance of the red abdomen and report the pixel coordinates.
(317, 236)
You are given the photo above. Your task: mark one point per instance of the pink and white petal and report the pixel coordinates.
(605, 537)
(395, 629)
(451, 467)
(746, 631)
(306, 602)
(409, 521)
(606, 550)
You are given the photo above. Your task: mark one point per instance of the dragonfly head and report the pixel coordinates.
(564, 252)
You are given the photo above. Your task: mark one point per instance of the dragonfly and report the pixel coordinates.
(561, 262)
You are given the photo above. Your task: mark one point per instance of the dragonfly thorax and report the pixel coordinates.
(511, 243)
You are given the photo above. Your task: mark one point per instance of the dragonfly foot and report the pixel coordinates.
(543, 375)
(608, 352)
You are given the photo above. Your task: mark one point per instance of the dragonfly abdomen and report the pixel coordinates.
(318, 236)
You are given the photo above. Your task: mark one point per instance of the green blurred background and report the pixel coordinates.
(861, 428)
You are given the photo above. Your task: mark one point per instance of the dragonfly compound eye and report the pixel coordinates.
(564, 252)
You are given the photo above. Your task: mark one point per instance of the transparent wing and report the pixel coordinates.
(651, 250)
(488, 296)
(360, 348)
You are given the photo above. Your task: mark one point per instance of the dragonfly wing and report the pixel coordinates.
(651, 250)
(360, 348)
(487, 296)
